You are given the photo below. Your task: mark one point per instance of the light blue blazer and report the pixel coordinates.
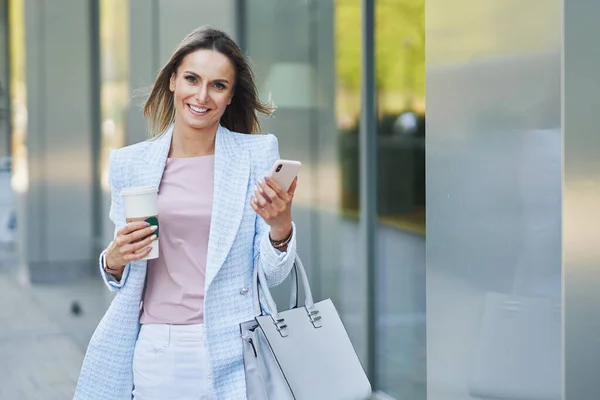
(238, 238)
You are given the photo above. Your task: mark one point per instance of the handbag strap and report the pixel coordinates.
(256, 292)
(256, 304)
(259, 283)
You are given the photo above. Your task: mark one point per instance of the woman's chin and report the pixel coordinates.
(198, 125)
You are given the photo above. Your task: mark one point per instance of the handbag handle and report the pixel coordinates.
(256, 292)
(259, 282)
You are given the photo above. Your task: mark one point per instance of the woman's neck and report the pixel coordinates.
(192, 143)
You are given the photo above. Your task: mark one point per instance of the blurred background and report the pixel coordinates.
(73, 76)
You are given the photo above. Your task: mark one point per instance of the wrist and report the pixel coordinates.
(280, 233)
(281, 244)
(111, 268)
(116, 270)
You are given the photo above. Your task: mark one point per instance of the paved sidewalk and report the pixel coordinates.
(38, 359)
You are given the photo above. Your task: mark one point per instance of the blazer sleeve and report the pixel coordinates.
(117, 216)
(276, 264)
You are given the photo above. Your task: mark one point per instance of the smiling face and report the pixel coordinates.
(202, 88)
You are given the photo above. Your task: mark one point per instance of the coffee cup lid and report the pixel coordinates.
(139, 190)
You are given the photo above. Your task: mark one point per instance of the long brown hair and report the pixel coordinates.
(240, 115)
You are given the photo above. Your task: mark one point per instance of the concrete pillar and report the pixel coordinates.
(56, 209)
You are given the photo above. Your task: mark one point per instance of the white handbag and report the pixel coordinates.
(303, 353)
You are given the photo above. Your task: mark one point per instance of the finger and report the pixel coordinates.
(274, 185)
(138, 255)
(272, 194)
(292, 188)
(136, 246)
(261, 188)
(140, 234)
(255, 205)
(257, 208)
(260, 198)
(132, 226)
(143, 252)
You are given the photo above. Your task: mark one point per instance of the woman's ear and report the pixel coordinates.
(172, 82)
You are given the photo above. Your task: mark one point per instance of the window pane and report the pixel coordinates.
(4, 95)
(7, 213)
(306, 57)
(400, 80)
(114, 90)
(18, 95)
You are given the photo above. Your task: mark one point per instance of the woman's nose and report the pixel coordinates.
(202, 94)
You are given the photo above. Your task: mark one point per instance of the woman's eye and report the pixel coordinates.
(219, 86)
(190, 79)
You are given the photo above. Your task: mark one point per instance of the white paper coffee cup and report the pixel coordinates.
(141, 204)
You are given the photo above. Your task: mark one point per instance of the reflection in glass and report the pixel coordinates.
(114, 56)
(400, 80)
(307, 58)
(307, 63)
(7, 208)
(4, 84)
(18, 94)
(494, 200)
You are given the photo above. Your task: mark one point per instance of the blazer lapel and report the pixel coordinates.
(155, 155)
(232, 171)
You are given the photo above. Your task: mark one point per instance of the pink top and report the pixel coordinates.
(175, 280)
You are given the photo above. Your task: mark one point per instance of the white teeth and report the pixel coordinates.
(198, 109)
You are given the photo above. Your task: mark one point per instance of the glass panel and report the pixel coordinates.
(114, 57)
(494, 168)
(18, 109)
(306, 57)
(18, 94)
(6, 198)
(400, 80)
(4, 95)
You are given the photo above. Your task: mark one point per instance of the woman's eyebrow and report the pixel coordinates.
(198, 76)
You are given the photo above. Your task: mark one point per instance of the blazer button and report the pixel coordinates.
(244, 291)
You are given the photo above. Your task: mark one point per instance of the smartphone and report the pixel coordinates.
(284, 171)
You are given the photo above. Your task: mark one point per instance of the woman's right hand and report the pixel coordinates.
(127, 246)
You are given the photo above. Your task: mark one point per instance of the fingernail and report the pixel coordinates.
(152, 238)
(154, 228)
(267, 179)
(146, 223)
(149, 249)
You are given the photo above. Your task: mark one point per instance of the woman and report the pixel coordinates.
(171, 332)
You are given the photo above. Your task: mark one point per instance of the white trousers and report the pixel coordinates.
(171, 362)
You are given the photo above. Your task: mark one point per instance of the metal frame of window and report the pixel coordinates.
(96, 125)
(368, 179)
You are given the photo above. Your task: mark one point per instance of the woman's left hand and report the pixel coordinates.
(274, 205)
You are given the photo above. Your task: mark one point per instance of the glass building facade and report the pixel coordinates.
(308, 59)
